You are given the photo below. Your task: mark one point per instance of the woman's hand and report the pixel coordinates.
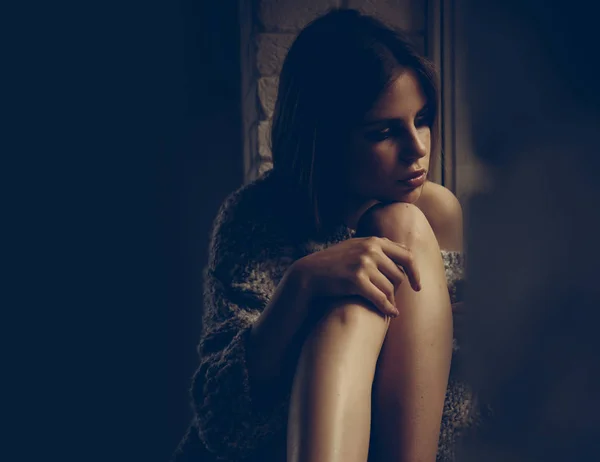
(371, 267)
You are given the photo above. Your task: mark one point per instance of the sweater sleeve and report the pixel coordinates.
(229, 421)
(238, 283)
(455, 274)
(455, 278)
(461, 410)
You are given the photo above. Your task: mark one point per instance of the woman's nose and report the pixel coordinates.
(416, 146)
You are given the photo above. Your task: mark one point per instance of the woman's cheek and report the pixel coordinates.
(385, 153)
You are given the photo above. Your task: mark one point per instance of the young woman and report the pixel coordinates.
(328, 322)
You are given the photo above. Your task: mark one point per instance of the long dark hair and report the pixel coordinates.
(332, 75)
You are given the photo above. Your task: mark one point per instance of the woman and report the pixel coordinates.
(328, 324)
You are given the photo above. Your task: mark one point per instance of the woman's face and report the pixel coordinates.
(388, 159)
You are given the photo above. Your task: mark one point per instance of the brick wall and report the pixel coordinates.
(268, 28)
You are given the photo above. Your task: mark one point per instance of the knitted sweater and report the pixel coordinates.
(254, 241)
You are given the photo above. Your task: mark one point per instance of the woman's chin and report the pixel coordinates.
(408, 196)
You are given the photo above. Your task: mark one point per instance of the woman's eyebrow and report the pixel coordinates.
(382, 121)
(391, 120)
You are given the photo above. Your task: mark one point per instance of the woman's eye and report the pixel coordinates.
(378, 135)
(422, 120)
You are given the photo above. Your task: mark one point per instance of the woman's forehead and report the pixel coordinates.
(403, 97)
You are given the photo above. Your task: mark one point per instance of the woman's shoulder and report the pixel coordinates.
(444, 213)
(439, 202)
(251, 204)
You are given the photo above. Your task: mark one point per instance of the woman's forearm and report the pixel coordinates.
(275, 330)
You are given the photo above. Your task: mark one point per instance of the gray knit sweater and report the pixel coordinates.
(254, 241)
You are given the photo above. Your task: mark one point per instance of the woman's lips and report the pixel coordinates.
(415, 180)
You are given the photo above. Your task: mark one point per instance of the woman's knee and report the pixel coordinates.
(401, 222)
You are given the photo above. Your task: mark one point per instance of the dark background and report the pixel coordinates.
(123, 137)
(206, 164)
(193, 46)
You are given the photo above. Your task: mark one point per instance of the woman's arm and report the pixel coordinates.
(239, 284)
(236, 365)
(274, 332)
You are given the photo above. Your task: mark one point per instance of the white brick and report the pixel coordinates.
(265, 166)
(267, 94)
(264, 140)
(271, 51)
(291, 15)
(408, 15)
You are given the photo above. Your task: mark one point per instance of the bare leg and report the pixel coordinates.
(330, 409)
(412, 374)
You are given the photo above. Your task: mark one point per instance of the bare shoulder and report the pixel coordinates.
(444, 213)
(439, 202)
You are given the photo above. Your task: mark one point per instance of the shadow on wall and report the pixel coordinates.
(204, 168)
(534, 295)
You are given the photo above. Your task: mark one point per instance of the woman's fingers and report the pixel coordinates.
(394, 273)
(380, 281)
(375, 295)
(403, 257)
